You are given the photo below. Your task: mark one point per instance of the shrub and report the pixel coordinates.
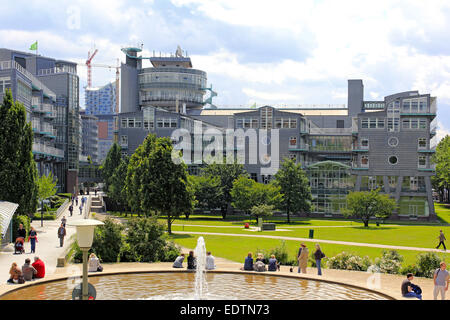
(145, 237)
(426, 264)
(171, 252)
(108, 241)
(280, 254)
(127, 254)
(390, 262)
(348, 261)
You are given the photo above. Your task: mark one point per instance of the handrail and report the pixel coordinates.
(62, 208)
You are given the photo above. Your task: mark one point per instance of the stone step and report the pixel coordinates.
(96, 209)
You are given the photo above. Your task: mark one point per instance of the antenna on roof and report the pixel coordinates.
(179, 52)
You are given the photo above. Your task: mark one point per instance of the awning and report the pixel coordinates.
(7, 210)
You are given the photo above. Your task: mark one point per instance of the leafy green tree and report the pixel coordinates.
(368, 204)
(18, 173)
(117, 188)
(262, 210)
(227, 173)
(207, 191)
(156, 183)
(108, 240)
(135, 171)
(247, 193)
(46, 186)
(441, 158)
(111, 162)
(295, 188)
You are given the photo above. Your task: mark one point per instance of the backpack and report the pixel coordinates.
(260, 266)
(416, 288)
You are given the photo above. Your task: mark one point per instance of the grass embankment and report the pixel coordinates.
(236, 248)
(443, 212)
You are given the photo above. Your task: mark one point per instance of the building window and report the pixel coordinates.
(364, 161)
(422, 123)
(392, 182)
(130, 122)
(422, 161)
(365, 143)
(293, 141)
(254, 176)
(393, 159)
(365, 123)
(123, 123)
(339, 123)
(393, 141)
(124, 140)
(422, 143)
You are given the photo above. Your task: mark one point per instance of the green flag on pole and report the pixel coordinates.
(34, 46)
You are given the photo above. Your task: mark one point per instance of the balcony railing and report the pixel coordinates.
(11, 64)
(330, 131)
(47, 150)
(299, 147)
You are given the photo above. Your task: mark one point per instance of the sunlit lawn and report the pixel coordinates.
(443, 212)
(236, 248)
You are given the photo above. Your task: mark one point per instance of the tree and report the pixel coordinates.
(441, 158)
(157, 184)
(227, 173)
(368, 204)
(207, 191)
(46, 185)
(262, 210)
(117, 188)
(247, 194)
(111, 162)
(294, 187)
(18, 173)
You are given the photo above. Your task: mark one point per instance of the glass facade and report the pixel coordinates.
(330, 143)
(330, 183)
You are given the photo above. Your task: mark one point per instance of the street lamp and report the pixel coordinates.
(85, 236)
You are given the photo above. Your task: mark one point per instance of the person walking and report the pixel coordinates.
(61, 234)
(318, 256)
(32, 235)
(21, 232)
(303, 258)
(63, 221)
(441, 280)
(441, 240)
(71, 209)
(81, 210)
(76, 201)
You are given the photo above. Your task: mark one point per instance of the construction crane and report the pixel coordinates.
(99, 65)
(88, 65)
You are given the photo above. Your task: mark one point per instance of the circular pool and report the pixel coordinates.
(180, 286)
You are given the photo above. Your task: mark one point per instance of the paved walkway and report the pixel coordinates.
(47, 247)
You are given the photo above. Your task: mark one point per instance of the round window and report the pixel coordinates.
(393, 141)
(393, 160)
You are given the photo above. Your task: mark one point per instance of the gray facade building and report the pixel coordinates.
(364, 145)
(89, 136)
(49, 90)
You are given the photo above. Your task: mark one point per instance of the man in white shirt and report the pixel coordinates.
(209, 261)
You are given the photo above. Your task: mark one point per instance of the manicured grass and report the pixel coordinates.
(236, 248)
(443, 211)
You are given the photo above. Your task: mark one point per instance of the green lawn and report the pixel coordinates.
(236, 248)
(443, 212)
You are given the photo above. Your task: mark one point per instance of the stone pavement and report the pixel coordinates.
(47, 247)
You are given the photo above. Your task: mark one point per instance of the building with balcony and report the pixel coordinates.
(362, 145)
(49, 90)
(89, 136)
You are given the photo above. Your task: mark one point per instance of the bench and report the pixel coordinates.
(268, 226)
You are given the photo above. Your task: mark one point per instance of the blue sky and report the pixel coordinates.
(294, 52)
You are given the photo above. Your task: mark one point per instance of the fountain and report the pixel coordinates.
(201, 286)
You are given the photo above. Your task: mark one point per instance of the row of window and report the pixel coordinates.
(378, 123)
(393, 142)
(393, 160)
(414, 123)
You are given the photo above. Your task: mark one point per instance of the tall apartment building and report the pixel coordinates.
(49, 89)
(89, 136)
(101, 103)
(364, 145)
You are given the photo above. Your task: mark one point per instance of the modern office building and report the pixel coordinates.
(49, 90)
(360, 146)
(89, 136)
(101, 103)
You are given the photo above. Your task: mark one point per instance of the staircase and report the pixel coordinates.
(96, 204)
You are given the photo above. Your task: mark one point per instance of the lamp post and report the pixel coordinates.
(85, 236)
